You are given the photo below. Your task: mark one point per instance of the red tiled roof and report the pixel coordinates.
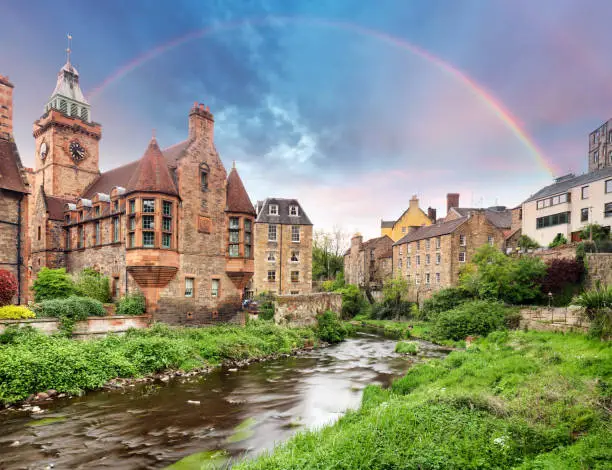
(237, 197)
(121, 175)
(152, 173)
(56, 206)
(10, 165)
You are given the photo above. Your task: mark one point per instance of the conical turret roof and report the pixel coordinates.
(237, 198)
(152, 175)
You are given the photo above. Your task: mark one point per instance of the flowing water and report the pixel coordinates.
(240, 412)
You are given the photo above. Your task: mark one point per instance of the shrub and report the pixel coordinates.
(389, 309)
(595, 232)
(15, 312)
(352, 301)
(70, 310)
(8, 287)
(563, 278)
(334, 284)
(597, 304)
(527, 243)
(478, 318)
(558, 241)
(404, 347)
(596, 246)
(90, 283)
(266, 306)
(443, 300)
(132, 304)
(330, 329)
(52, 284)
(397, 331)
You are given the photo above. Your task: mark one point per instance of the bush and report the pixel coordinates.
(563, 279)
(15, 312)
(352, 301)
(443, 300)
(597, 246)
(8, 287)
(476, 318)
(527, 243)
(404, 347)
(330, 329)
(266, 306)
(334, 284)
(132, 304)
(70, 310)
(389, 309)
(595, 232)
(558, 241)
(90, 283)
(52, 284)
(597, 304)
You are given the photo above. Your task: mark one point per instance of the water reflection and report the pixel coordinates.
(152, 426)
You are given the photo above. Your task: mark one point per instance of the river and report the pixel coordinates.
(236, 413)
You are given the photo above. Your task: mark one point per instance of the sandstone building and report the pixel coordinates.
(600, 147)
(14, 189)
(368, 264)
(411, 218)
(283, 248)
(431, 257)
(172, 225)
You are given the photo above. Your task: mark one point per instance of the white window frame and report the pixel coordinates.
(189, 287)
(491, 240)
(272, 229)
(437, 278)
(296, 255)
(295, 239)
(462, 240)
(271, 257)
(273, 209)
(462, 256)
(214, 287)
(273, 275)
(427, 279)
(293, 209)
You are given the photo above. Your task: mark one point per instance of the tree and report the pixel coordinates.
(328, 254)
(595, 232)
(558, 241)
(8, 287)
(525, 242)
(52, 284)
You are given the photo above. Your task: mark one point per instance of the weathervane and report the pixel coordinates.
(68, 50)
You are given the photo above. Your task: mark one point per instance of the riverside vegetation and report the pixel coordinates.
(528, 400)
(32, 362)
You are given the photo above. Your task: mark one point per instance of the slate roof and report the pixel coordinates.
(283, 216)
(237, 197)
(121, 175)
(152, 174)
(567, 184)
(434, 230)
(10, 167)
(500, 217)
(387, 223)
(56, 206)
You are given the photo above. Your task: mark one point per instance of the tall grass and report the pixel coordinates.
(528, 400)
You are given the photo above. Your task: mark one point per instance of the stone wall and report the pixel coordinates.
(559, 252)
(301, 310)
(599, 268)
(12, 226)
(91, 328)
(553, 319)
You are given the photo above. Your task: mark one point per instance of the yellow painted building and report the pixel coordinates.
(412, 217)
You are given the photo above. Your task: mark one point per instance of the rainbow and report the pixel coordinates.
(493, 104)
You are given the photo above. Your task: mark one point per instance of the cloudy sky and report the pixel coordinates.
(350, 106)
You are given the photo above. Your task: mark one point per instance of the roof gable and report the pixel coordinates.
(283, 216)
(237, 198)
(11, 178)
(152, 173)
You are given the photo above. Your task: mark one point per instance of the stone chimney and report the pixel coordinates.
(356, 241)
(6, 108)
(414, 202)
(452, 200)
(431, 213)
(201, 123)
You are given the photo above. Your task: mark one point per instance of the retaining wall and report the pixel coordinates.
(301, 310)
(554, 319)
(599, 268)
(91, 328)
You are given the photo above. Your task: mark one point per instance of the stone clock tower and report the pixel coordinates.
(67, 140)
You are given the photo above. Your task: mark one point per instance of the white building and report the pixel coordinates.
(568, 205)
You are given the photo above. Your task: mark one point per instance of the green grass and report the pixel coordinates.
(404, 347)
(528, 400)
(406, 329)
(31, 362)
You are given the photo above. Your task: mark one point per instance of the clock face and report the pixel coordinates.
(43, 150)
(76, 151)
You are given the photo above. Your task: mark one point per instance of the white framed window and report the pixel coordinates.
(188, 287)
(608, 186)
(585, 192)
(409, 250)
(295, 256)
(295, 233)
(427, 244)
(437, 243)
(295, 276)
(408, 261)
(462, 256)
(427, 279)
(490, 240)
(418, 260)
(294, 211)
(462, 240)
(417, 279)
(271, 276)
(271, 233)
(438, 258)
(418, 245)
(437, 278)
(214, 288)
(271, 256)
(427, 259)
(148, 205)
(401, 251)
(273, 209)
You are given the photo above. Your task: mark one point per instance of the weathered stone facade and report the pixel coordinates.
(302, 310)
(599, 269)
(14, 201)
(431, 258)
(368, 264)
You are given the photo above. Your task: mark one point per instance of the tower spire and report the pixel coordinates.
(68, 49)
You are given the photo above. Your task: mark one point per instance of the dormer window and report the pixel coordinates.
(273, 209)
(294, 211)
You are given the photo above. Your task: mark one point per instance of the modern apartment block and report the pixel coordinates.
(283, 248)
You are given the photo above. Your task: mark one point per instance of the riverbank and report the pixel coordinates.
(514, 400)
(33, 364)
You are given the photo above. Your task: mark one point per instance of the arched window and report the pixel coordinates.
(204, 172)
